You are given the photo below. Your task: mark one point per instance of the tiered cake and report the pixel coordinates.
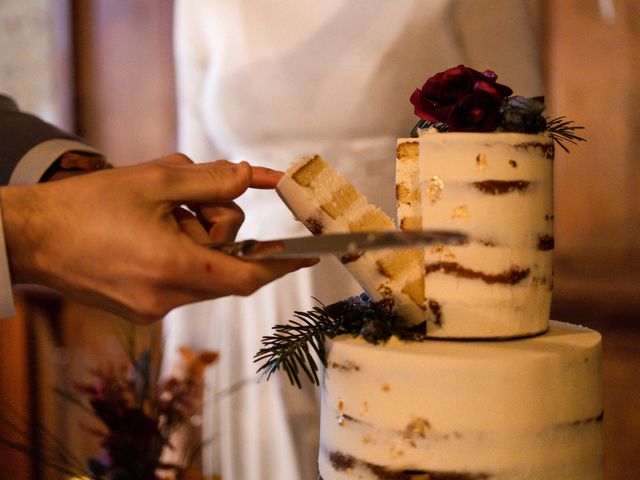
(494, 390)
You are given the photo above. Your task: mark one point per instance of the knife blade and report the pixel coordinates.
(336, 243)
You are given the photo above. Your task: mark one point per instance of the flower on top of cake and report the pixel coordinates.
(462, 99)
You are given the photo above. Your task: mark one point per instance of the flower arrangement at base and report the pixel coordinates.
(139, 414)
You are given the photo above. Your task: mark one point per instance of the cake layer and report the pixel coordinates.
(520, 409)
(326, 202)
(408, 184)
(498, 189)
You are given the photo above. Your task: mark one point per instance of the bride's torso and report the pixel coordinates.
(330, 71)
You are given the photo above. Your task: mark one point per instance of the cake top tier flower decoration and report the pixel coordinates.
(462, 99)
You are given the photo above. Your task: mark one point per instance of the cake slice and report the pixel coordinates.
(326, 202)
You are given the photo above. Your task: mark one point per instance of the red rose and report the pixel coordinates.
(475, 112)
(439, 97)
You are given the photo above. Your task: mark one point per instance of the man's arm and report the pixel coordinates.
(120, 239)
(32, 150)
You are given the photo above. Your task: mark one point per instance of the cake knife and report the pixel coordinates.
(336, 243)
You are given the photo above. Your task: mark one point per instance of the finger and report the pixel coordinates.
(265, 178)
(223, 220)
(201, 183)
(237, 278)
(255, 274)
(215, 273)
(223, 162)
(190, 225)
(174, 159)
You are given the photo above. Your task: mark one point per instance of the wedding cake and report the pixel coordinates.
(449, 367)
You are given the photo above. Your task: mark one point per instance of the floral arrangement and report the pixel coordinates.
(139, 413)
(462, 99)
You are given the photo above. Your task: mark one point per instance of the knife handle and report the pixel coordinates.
(248, 249)
(237, 249)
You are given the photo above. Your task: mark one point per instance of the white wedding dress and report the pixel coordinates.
(267, 81)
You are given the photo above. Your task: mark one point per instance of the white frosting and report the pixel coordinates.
(519, 409)
(306, 204)
(469, 283)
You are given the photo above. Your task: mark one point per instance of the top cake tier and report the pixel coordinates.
(498, 189)
(495, 187)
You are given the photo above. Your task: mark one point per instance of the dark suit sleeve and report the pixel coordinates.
(20, 132)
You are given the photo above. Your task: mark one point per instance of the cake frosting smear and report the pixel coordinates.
(493, 389)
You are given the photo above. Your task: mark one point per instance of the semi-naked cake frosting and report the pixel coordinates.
(455, 410)
(497, 188)
(326, 202)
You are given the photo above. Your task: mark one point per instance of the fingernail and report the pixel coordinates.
(310, 262)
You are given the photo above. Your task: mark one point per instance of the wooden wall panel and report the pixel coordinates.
(592, 66)
(14, 388)
(124, 77)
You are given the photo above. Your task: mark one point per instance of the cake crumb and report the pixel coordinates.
(461, 212)
(434, 189)
(481, 161)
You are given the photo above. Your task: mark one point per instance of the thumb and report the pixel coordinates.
(206, 182)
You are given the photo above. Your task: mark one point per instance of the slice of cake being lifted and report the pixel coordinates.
(326, 202)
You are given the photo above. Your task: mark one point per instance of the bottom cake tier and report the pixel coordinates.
(454, 410)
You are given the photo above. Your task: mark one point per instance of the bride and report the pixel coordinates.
(268, 81)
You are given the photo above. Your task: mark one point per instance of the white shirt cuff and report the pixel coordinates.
(38, 159)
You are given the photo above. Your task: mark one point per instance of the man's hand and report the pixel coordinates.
(122, 240)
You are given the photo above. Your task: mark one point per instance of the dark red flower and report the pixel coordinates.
(450, 97)
(475, 112)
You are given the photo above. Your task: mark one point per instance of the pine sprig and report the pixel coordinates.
(561, 130)
(293, 345)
